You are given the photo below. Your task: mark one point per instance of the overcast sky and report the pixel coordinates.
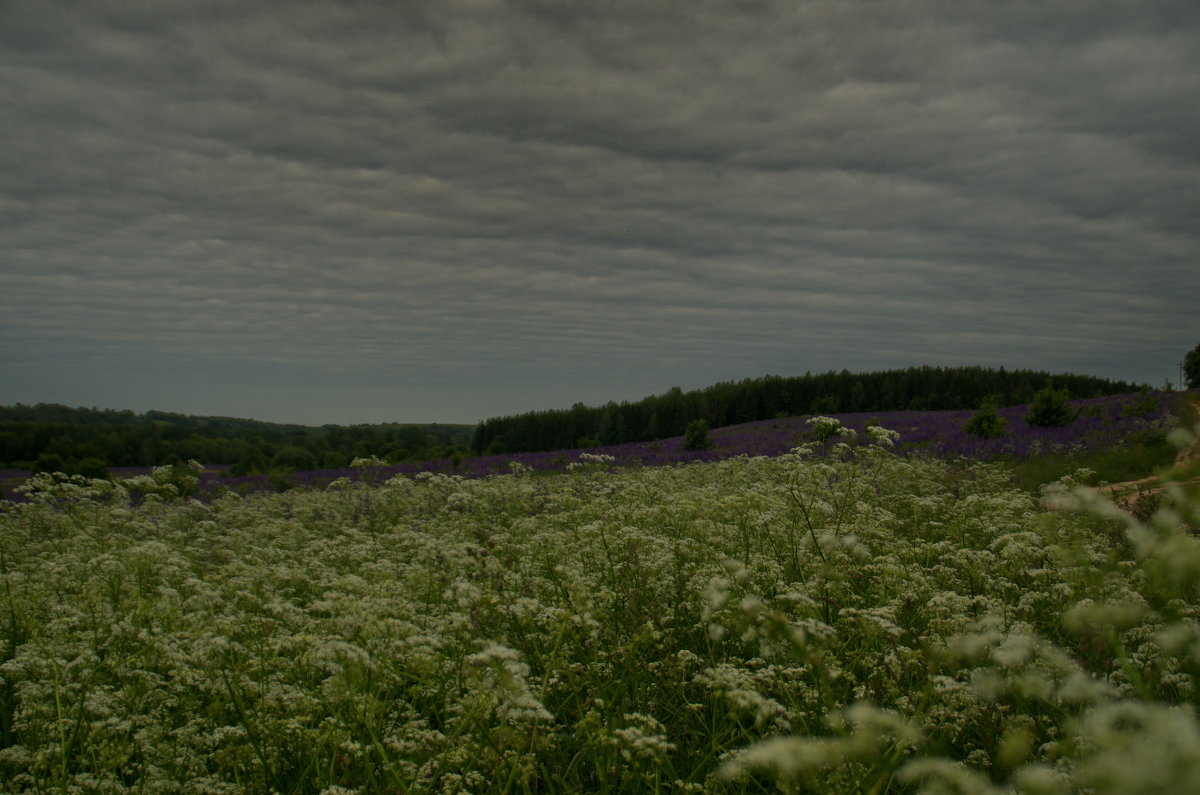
(338, 212)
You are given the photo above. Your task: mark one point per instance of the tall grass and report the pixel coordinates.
(1139, 456)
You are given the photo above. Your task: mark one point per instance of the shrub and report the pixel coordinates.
(986, 423)
(92, 468)
(696, 436)
(49, 462)
(293, 459)
(250, 461)
(281, 480)
(334, 459)
(1143, 404)
(1051, 408)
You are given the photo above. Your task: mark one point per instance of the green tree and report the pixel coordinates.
(825, 404)
(652, 432)
(1051, 408)
(696, 436)
(858, 397)
(607, 434)
(1191, 368)
(986, 423)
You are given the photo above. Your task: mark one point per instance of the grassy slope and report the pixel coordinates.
(1141, 457)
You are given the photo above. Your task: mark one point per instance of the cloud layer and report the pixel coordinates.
(360, 211)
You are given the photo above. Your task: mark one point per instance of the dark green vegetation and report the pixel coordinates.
(49, 437)
(987, 422)
(1140, 456)
(769, 397)
(696, 436)
(1191, 368)
(1136, 458)
(1051, 408)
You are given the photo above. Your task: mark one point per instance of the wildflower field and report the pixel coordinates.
(838, 619)
(1100, 424)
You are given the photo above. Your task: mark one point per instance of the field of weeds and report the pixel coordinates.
(835, 619)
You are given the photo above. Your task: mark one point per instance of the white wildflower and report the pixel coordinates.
(504, 680)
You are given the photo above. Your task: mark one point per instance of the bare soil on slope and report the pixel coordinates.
(1140, 497)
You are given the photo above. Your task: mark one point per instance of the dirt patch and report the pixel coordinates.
(1141, 497)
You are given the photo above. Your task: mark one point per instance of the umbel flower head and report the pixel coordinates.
(502, 679)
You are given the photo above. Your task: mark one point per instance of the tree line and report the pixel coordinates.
(51, 437)
(769, 397)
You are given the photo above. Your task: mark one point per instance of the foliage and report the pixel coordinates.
(91, 468)
(122, 438)
(1191, 368)
(1104, 428)
(1143, 404)
(987, 422)
(292, 458)
(770, 397)
(836, 619)
(696, 436)
(49, 462)
(1051, 408)
(281, 479)
(1135, 458)
(250, 461)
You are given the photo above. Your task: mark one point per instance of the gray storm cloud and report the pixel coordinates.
(337, 212)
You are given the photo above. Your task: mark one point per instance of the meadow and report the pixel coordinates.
(1119, 436)
(836, 618)
(1132, 424)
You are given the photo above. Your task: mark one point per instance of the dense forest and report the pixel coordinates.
(58, 438)
(662, 416)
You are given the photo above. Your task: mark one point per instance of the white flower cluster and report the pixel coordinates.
(504, 679)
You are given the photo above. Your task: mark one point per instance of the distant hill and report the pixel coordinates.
(769, 397)
(47, 435)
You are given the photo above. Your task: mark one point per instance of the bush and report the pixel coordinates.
(281, 480)
(1143, 404)
(696, 436)
(335, 460)
(92, 468)
(1051, 408)
(986, 423)
(293, 459)
(250, 461)
(49, 462)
